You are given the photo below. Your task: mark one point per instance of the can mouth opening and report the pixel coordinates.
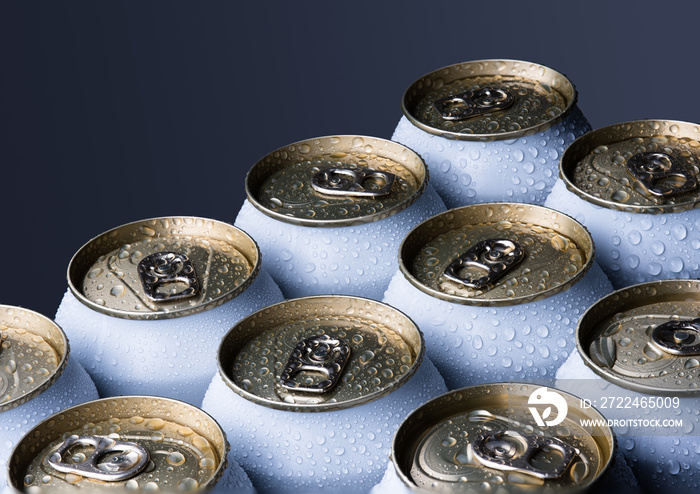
(495, 213)
(361, 322)
(539, 74)
(660, 301)
(421, 422)
(130, 410)
(34, 328)
(213, 241)
(617, 133)
(347, 150)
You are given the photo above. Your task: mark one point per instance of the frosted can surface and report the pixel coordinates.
(311, 390)
(491, 130)
(37, 376)
(329, 213)
(486, 438)
(638, 363)
(497, 289)
(149, 301)
(126, 442)
(635, 187)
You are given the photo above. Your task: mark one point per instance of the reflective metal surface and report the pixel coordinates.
(33, 354)
(642, 166)
(336, 181)
(88, 446)
(557, 252)
(489, 100)
(645, 337)
(384, 350)
(163, 267)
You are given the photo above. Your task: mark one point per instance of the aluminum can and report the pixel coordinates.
(128, 442)
(635, 187)
(329, 213)
(638, 362)
(485, 439)
(37, 377)
(497, 289)
(491, 130)
(311, 390)
(149, 301)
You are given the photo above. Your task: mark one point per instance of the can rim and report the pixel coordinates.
(218, 474)
(227, 344)
(581, 147)
(62, 344)
(408, 105)
(378, 216)
(592, 313)
(444, 412)
(404, 249)
(74, 272)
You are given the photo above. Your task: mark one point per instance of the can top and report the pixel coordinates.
(336, 181)
(132, 442)
(469, 438)
(645, 337)
(320, 353)
(33, 354)
(163, 267)
(496, 254)
(643, 166)
(487, 100)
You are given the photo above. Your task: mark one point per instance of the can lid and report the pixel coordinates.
(320, 353)
(336, 181)
(163, 267)
(487, 100)
(33, 354)
(133, 442)
(496, 254)
(643, 166)
(469, 438)
(645, 337)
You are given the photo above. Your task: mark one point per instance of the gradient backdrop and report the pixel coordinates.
(116, 111)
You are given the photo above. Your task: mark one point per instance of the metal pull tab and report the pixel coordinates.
(473, 103)
(508, 450)
(678, 337)
(111, 461)
(493, 258)
(165, 268)
(357, 182)
(661, 174)
(321, 354)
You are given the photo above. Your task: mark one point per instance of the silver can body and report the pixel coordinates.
(350, 260)
(74, 386)
(664, 460)
(172, 358)
(636, 247)
(523, 169)
(475, 345)
(341, 449)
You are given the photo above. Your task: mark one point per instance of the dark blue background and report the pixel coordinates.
(116, 111)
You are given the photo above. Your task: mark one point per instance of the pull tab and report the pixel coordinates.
(111, 461)
(473, 103)
(322, 354)
(678, 337)
(508, 450)
(661, 174)
(164, 268)
(356, 182)
(493, 257)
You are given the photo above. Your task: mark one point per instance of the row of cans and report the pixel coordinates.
(495, 288)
